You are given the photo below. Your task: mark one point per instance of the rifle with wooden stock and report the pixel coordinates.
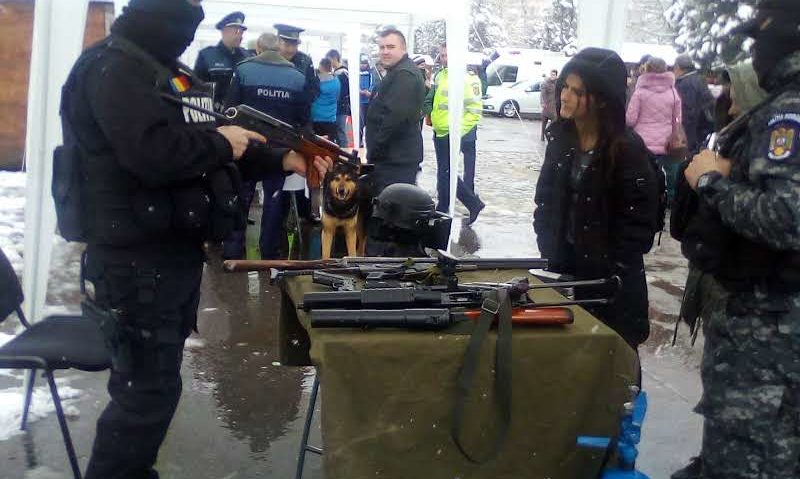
(280, 133)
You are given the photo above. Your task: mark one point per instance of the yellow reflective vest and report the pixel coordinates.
(472, 104)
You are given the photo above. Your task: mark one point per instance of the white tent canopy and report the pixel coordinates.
(57, 39)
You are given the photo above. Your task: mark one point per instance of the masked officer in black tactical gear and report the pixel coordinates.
(405, 222)
(155, 180)
(748, 194)
(289, 40)
(215, 64)
(271, 84)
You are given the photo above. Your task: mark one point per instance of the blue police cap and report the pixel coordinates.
(235, 19)
(288, 32)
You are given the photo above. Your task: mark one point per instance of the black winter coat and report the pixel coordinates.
(215, 64)
(614, 223)
(697, 103)
(394, 139)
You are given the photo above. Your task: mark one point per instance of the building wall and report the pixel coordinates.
(16, 33)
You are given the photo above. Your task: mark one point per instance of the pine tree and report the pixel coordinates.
(647, 22)
(487, 29)
(558, 30)
(428, 37)
(704, 29)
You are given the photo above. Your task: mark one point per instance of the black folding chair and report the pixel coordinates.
(55, 342)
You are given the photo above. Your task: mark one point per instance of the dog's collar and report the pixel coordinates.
(341, 209)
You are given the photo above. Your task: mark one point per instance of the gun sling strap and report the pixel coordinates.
(497, 304)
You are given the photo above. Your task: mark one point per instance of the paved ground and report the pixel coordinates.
(241, 414)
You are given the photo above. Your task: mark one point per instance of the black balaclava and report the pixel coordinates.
(777, 35)
(163, 28)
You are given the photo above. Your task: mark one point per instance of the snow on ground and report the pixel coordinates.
(62, 292)
(43, 472)
(11, 400)
(12, 216)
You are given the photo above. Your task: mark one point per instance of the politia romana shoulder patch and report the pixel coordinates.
(784, 136)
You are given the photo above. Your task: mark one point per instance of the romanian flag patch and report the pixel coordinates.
(180, 84)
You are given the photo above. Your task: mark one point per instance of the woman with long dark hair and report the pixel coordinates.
(597, 195)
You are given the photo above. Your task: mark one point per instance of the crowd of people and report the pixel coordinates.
(395, 99)
(160, 182)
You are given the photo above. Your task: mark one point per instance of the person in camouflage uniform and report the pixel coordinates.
(751, 363)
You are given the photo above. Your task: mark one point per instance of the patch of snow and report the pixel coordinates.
(746, 12)
(4, 338)
(194, 342)
(11, 401)
(12, 216)
(43, 472)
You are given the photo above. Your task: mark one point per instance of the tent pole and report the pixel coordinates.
(56, 45)
(457, 34)
(354, 48)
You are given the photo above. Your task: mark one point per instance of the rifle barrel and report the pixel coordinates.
(564, 284)
(238, 265)
(480, 263)
(433, 318)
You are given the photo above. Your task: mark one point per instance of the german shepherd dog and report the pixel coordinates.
(341, 199)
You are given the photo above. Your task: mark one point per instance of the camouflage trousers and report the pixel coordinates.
(751, 389)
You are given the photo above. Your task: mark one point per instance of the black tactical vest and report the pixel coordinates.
(107, 205)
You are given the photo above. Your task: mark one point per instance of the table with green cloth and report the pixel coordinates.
(387, 394)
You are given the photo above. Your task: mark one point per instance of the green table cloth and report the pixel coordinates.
(387, 395)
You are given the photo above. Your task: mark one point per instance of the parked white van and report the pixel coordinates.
(513, 66)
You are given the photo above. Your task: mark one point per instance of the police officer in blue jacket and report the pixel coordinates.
(271, 84)
(215, 64)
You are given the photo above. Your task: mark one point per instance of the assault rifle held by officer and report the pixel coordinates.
(282, 134)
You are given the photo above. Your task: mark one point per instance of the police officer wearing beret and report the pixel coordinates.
(289, 40)
(751, 185)
(156, 180)
(215, 64)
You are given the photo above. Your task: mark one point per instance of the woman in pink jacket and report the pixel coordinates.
(654, 107)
